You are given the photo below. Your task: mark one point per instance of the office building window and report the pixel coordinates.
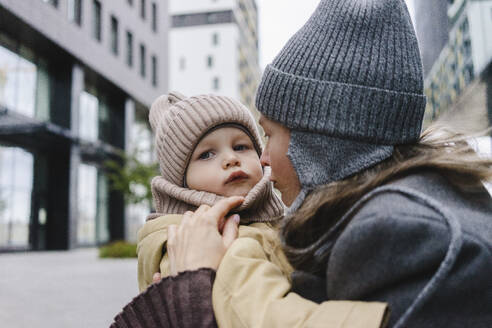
(141, 143)
(210, 61)
(129, 48)
(87, 204)
(98, 119)
(102, 218)
(43, 91)
(216, 84)
(466, 26)
(75, 11)
(96, 20)
(114, 35)
(142, 60)
(92, 218)
(16, 179)
(54, 3)
(88, 117)
(215, 39)
(8, 71)
(154, 71)
(469, 75)
(154, 16)
(143, 4)
(25, 87)
(467, 47)
(18, 81)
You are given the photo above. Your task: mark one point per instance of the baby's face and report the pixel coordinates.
(224, 162)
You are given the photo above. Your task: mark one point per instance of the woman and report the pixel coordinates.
(377, 211)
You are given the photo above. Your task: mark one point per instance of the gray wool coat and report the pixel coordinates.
(419, 244)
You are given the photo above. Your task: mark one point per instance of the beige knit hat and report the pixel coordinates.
(179, 123)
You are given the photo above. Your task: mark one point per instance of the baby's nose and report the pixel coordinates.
(230, 160)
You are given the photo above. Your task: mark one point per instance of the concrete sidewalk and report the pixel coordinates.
(64, 289)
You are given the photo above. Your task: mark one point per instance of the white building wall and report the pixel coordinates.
(189, 49)
(480, 18)
(177, 7)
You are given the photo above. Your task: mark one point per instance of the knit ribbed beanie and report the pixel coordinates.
(349, 85)
(179, 123)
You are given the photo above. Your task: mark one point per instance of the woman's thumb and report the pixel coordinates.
(156, 277)
(229, 234)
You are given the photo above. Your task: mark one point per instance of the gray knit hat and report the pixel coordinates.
(349, 85)
(179, 123)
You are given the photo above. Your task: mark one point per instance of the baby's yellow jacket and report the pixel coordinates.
(152, 239)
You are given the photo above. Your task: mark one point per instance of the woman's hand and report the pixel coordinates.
(197, 242)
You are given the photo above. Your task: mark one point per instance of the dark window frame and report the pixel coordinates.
(154, 70)
(143, 59)
(77, 12)
(129, 48)
(210, 61)
(97, 20)
(216, 83)
(154, 16)
(114, 29)
(54, 3)
(143, 9)
(209, 18)
(215, 39)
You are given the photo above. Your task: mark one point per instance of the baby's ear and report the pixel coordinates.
(160, 106)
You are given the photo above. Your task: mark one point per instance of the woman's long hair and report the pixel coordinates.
(438, 149)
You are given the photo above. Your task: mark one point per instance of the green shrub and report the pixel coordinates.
(120, 249)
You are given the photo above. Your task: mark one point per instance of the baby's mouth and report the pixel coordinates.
(236, 176)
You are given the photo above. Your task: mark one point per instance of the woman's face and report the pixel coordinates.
(284, 176)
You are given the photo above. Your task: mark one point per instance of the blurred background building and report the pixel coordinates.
(76, 80)
(214, 48)
(456, 46)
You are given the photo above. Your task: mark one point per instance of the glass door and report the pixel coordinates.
(16, 179)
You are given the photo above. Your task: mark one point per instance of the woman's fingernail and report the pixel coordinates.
(236, 218)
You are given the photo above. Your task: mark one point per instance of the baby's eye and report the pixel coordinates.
(205, 155)
(241, 147)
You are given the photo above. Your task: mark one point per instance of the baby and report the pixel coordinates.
(208, 148)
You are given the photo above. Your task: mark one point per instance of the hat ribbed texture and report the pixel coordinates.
(352, 71)
(179, 123)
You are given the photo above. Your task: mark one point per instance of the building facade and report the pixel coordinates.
(214, 48)
(458, 82)
(76, 80)
(432, 29)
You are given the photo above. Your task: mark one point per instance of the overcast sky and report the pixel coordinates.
(280, 19)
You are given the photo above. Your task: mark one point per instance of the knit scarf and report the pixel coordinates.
(261, 204)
